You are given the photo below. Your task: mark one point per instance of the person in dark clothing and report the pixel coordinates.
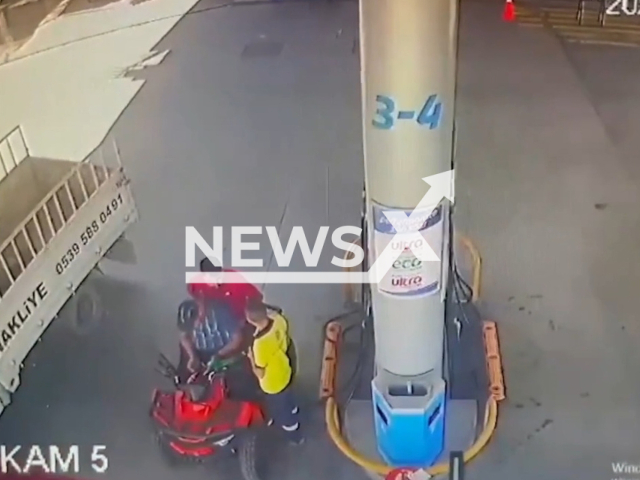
(209, 332)
(223, 284)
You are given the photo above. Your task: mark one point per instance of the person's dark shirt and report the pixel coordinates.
(215, 330)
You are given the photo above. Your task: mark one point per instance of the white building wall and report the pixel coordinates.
(65, 86)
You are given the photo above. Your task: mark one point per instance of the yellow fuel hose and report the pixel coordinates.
(494, 362)
(476, 261)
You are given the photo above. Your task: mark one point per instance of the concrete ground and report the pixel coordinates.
(220, 135)
(547, 157)
(561, 16)
(547, 187)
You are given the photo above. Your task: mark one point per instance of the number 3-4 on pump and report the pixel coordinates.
(387, 113)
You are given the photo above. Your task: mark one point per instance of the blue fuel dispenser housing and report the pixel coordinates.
(409, 418)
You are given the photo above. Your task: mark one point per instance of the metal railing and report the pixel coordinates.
(13, 150)
(32, 236)
(602, 11)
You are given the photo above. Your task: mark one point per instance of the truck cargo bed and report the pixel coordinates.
(58, 220)
(26, 188)
(37, 199)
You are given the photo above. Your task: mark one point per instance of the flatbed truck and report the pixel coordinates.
(58, 220)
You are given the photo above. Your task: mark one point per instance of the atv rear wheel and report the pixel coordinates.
(251, 458)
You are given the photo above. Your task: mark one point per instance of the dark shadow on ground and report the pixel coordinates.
(22, 18)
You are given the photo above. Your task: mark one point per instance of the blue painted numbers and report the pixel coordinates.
(431, 113)
(386, 115)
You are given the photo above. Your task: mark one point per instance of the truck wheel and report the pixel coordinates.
(252, 462)
(86, 309)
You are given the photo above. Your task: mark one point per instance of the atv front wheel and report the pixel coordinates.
(168, 455)
(251, 457)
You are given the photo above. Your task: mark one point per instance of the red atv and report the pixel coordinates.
(199, 421)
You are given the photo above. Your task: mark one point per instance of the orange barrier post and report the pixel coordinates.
(494, 360)
(509, 12)
(332, 336)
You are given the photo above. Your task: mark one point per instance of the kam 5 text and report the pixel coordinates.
(52, 459)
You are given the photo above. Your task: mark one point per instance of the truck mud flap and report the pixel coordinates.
(122, 251)
(5, 397)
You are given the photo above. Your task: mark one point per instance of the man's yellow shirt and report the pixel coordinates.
(270, 353)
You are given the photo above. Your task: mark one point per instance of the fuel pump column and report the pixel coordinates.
(408, 55)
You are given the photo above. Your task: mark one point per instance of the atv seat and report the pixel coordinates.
(181, 414)
(189, 410)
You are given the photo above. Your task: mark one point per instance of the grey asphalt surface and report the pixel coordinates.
(547, 187)
(214, 138)
(548, 158)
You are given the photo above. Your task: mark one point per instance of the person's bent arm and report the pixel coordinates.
(234, 345)
(257, 370)
(187, 344)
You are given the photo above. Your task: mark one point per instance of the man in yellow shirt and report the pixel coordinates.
(272, 366)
